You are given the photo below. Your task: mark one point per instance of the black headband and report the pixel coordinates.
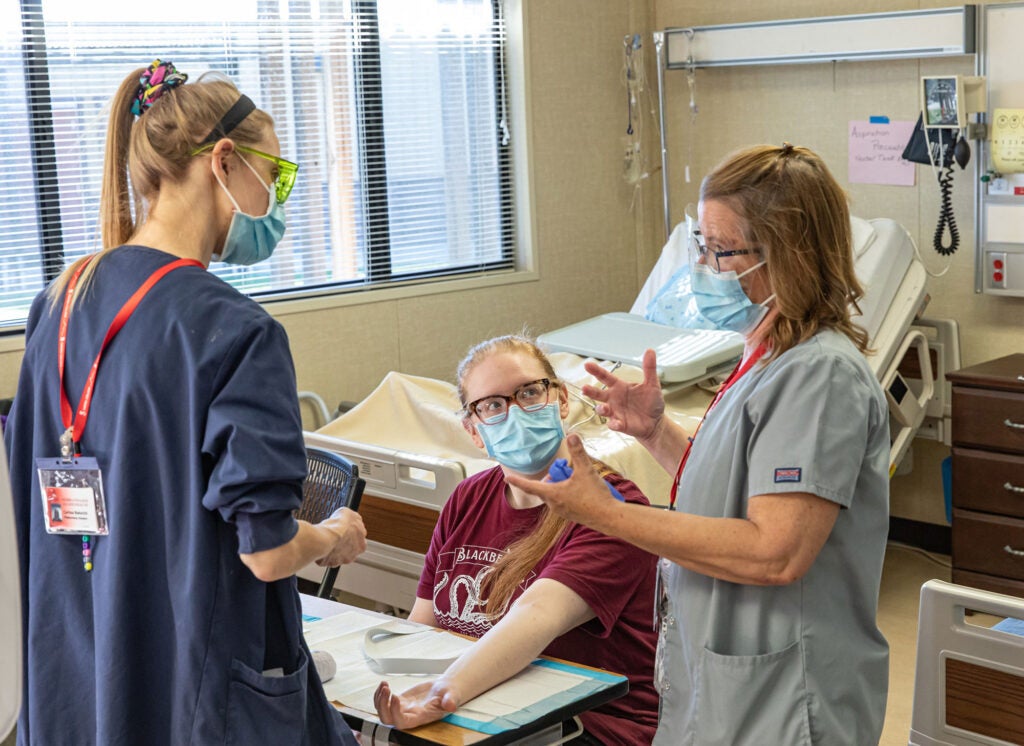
(242, 108)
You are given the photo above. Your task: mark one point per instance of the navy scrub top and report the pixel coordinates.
(195, 424)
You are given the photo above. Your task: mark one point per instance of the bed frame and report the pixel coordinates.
(403, 495)
(412, 451)
(969, 680)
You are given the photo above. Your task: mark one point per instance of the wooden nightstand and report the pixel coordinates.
(988, 475)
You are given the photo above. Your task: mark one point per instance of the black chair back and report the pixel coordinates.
(332, 482)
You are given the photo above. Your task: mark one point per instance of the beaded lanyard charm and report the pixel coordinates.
(67, 452)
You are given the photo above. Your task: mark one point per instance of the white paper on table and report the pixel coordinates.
(348, 622)
(356, 680)
(526, 688)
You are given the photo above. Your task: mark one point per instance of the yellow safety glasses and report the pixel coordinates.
(284, 176)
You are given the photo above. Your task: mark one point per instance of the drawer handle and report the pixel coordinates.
(1016, 552)
(1012, 488)
(1015, 425)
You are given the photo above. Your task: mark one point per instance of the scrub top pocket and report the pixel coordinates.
(266, 709)
(753, 699)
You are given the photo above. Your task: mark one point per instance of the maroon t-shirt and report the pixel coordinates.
(615, 578)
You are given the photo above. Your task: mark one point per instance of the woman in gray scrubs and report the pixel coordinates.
(773, 555)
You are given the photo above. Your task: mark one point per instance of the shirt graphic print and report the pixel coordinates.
(458, 601)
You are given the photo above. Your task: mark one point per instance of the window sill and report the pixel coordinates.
(12, 342)
(354, 297)
(15, 341)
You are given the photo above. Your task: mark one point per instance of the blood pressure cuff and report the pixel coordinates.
(921, 140)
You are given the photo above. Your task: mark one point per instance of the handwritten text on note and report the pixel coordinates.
(876, 153)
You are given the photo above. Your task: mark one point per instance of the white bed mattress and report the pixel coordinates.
(882, 252)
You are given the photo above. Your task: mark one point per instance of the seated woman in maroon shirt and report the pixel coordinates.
(503, 568)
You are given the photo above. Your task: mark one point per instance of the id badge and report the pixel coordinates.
(660, 613)
(660, 593)
(72, 493)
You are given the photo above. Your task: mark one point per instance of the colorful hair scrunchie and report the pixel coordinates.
(159, 78)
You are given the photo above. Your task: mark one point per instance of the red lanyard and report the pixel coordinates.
(82, 414)
(742, 367)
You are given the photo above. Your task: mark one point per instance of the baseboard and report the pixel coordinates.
(929, 536)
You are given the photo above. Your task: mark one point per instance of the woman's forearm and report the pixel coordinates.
(667, 444)
(309, 544)
(532, 623)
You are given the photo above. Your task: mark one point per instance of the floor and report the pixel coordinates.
(906, 569)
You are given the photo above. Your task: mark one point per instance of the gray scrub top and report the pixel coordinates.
(803, 663)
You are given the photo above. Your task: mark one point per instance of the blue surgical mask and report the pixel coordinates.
(722, 301)
(525, 441)
(675, 305)
(251, 238)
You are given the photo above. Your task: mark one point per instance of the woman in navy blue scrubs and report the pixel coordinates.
(161, 607)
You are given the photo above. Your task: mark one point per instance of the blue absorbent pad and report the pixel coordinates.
(1011, 625)
(595, 682)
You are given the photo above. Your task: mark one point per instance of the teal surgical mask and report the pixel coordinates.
(525, 442)
(251, 238)
(722, 300)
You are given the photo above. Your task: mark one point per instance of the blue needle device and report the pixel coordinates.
(560, 470)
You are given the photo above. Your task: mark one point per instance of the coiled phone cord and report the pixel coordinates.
(946, 218)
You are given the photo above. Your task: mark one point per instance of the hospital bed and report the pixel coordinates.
(969, 679)
(411, 448)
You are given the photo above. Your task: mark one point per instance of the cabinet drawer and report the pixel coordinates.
(989, 482)
(987, 544)
(988, 582)
(988, 419)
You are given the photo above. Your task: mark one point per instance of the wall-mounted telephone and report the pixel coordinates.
(939, 140)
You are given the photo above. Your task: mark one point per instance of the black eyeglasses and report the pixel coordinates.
(704, 252)
(494, 409)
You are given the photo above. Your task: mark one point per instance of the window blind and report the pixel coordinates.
(393, 109)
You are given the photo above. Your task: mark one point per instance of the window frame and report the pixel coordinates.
(517, 226)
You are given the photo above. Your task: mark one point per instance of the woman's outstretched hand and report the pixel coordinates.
(422, 704)
(632, 408)
(584, 497)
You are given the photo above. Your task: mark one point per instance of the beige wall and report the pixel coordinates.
(594, 249)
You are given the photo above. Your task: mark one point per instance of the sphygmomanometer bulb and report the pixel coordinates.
(962, 152)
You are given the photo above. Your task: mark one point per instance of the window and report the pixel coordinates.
(394, 110)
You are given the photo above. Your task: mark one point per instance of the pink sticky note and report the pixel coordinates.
(876, 153)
